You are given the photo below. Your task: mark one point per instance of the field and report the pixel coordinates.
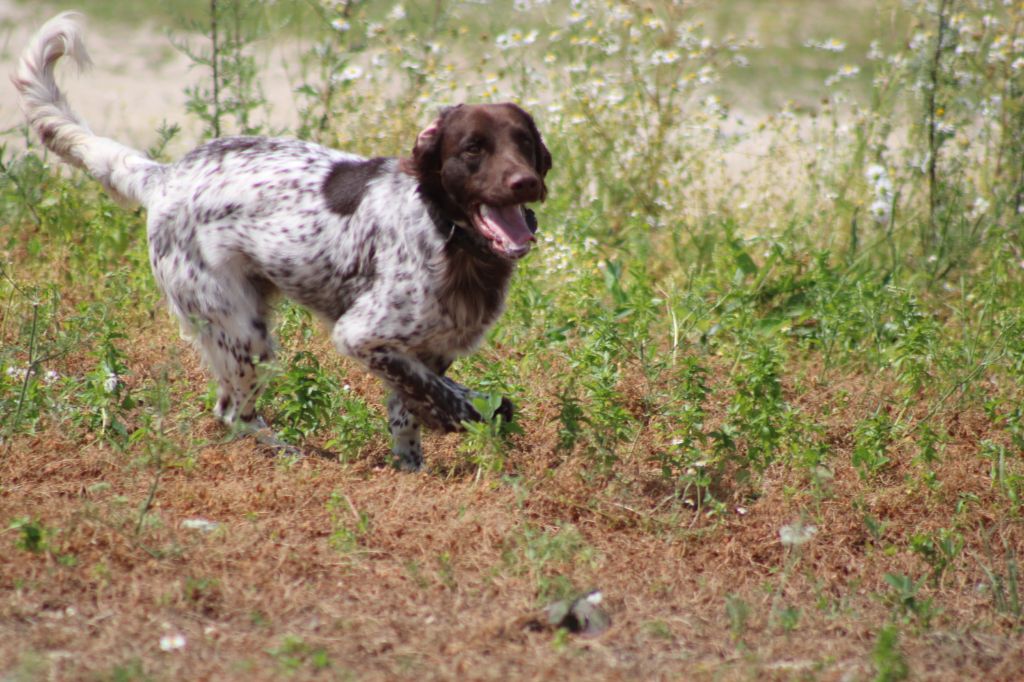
(768, 360)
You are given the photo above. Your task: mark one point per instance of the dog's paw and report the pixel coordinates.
(407, 456)
(506, 410)
(408, 464)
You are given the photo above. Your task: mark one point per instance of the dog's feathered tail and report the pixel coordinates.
(125, 172)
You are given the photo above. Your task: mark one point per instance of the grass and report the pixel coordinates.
(767, 364)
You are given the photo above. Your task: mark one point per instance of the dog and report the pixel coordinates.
(407, 259)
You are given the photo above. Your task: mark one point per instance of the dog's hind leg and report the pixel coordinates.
(226, 317)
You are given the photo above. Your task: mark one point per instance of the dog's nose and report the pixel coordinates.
(523, 183)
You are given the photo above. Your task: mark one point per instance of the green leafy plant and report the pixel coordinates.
(305, 398)
(872, 439)
(486, 442)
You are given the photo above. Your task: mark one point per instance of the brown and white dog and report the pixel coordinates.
(407, 259)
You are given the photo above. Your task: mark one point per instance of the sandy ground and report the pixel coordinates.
(137, 82)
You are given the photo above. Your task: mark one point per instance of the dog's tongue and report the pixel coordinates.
(508, 223)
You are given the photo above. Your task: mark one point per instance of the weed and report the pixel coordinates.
(293, 654)
(1004, 584)
(351, 528)
(104, 392)
(939, 550)
(304, 396)
(570, 419)
(738, 612)
(32, 536)
(890, 665)
(486, 442)
(1004, 472)
(233, 90)
(788, 618)
(355, 424)
(548, 558)
(905, 600)
(685, 459)
(872, 439)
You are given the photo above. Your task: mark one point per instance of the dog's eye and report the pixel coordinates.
(473, 148)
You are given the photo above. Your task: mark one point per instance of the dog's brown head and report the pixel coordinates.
(481, 164)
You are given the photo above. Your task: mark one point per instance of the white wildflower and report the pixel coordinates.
(706, 74)
(111, 383)
(978, 208)
(620, 13)
(714, 107)
(340, 25)
(614, 96)
(201, 525)
(611, 47)
(664, 57)
(882, 191)
(653, 23)
(874, 172)
(797, 534)
(175, 642)
(880, 210)
(919, 41)
(845, 71)
(830, 45)
(515, 38)
(397, 13)
(351, 73)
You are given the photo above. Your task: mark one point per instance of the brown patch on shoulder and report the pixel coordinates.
(345, 185)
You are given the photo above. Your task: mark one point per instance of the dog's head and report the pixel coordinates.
(481, 164)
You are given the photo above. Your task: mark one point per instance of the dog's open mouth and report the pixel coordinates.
(506, 228)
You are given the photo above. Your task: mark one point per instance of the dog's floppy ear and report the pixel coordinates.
(428, 143)
(543, 158)
(427, 140)
(543, 162)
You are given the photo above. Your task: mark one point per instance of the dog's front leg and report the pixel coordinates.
(405, 426)
(420, 392)
(437, 401)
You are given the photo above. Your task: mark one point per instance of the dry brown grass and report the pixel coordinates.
(438, 587)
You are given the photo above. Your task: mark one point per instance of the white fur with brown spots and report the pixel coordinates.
(407, 259)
